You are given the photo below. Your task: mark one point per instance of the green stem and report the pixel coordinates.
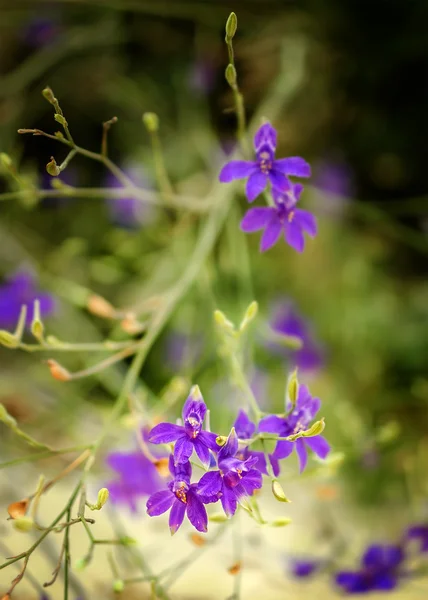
(41, 455)
(67, 555)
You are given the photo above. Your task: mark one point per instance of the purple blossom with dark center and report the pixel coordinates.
(283, 218)
(418, 534)
(304, 568)
(379, 571)
(18, 290)
(265, 168)
(234, 480)
(299, 419)
(129, 212)
(287, 321)
(245, 429)
(182, 498)
(190, 436)
(138, 476)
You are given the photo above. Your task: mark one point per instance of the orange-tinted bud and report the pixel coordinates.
(162, 467)
(197, 539)
(18, 509)
(100, 307)
(234, 569)
(57, 371)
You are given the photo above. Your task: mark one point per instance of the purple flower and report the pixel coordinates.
(234, 480)
(138, 477)
(379, 571)
(182, 350)
(202, 76)
(303, 568)
(42, 31)
(245, 429)
(129, 212)
(18, 290)
(299, 419)
(188, 437)
(265, 168)
(419, 533)
(281, 218)
(287, 321)
(182, 498)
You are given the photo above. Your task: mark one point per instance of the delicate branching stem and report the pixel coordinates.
(40, 455)
(106, 127)
(67, 556)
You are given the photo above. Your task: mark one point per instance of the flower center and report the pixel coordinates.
(181, 493)
(265, 162)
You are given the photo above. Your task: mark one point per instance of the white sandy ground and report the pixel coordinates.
(264, 560)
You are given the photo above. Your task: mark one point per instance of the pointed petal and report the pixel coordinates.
(201, 450)
(194, 406)
(266, 134)
(294, 165)
(164, 433)
(244, 427)
(230, 448)
(306, 220)
(283, 449)
(176, 515)
(385, 582)
(272, 424)
(196, 512)
(271, 234)
(228, 501)
(294, 236)
(275, 464)
(209, 439)
(255, 185)
(159, 503)
(236, 169)
(319, 445)
(301, 453)
(210, 484)
(252, 481)
(183, 450)
(278, 180)
(256, 218)
(297, 191)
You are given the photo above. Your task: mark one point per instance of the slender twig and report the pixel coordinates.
(41, 455)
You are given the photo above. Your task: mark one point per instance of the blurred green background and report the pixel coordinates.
(355, 108)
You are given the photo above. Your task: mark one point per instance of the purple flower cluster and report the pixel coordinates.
(234, 470)
(281, 216)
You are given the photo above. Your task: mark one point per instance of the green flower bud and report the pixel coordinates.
(37, 327)
(127, 541)
(278, 492)
(61, 120)
(223, 322)
(281, 522)
(293, 388)
(151, 121)
(80, 564)
(5, 160)
(230, 75)
(231, 26)
(24, 524)
(316, 429)
(103, 496)
(218, 518)
(52, 168)
(49, 95)
(249, 315)
(8, 339)
(118, 586)
(221, 440)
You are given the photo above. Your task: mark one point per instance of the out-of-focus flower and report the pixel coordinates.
(182, 350)
(182, 498)
(129, 212)
(287, 321)
(379, 571)
(299, 419)
(304, 568)
(335, 179)
(234, 480)
(42, 30)
(283, 218)
(190, 436)
(266, 167)
(202, 76)
(18, 290)
(419, 534)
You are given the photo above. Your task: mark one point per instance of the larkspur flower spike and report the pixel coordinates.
(265, 168)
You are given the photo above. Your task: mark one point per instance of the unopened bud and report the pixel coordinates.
(250, 314)
(8, 340)
(223, 322)
(130, 325)
(162, 467)
(234, 569)
(23, 524)
(316, 429)
(278, 492)
(221, 440)
(57, 371)
(37, 328)
(61, 120)
(231, 26)
(52, 168)
(127, 541)
(80, 564)
(293, 388)
(218, 518)
(5, 160)
(118, 585)
(198, 540)
(102, 498)
(281, 522)
(17, 510)
(49, 95)
(195, 392)
(151, 121)
(100, 307)
(230, 75)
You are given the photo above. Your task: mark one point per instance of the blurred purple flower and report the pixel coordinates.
(42, 30)
(304, 568)
(18, 290)
(287, 321)
(266, 167)
(299, 419)
(129, 212)
(283, 218)
(202, 76)
(419, 533)
(190, 436)
(379, 571)
(336, 180)
(182, 350)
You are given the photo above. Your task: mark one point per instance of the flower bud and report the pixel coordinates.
(195, 392)
(316, 429)
(127, 541)
(224, 323)
(17, 510)
(100, 307)
(37, 328)
(250, 314)
(198, 540)
(281, 522)
(151, 121)
(234, 569)
(231, 26)
(162, 467)
(5, 160)
(278, 492)
(80, 564)
(293, 388)
(131, 326)
(230, 75)
(61, 120)
(221, 440)
(52, 168)
(49, 95)
(24, 524)
(57, 371)
(118, 586)
(103, 496)
(218, 518)
(8, 340)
